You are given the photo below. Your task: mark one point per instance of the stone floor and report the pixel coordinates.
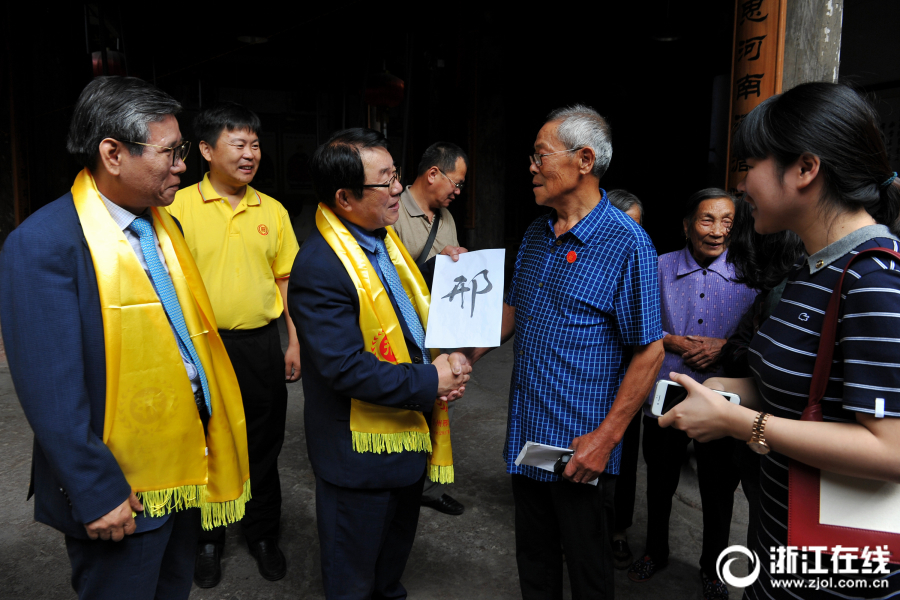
(467, 557)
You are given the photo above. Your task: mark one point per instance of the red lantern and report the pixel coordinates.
(383, 89)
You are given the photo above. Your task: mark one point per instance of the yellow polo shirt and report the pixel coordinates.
(240, 253)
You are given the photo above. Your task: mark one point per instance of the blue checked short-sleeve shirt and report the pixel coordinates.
(580, 299)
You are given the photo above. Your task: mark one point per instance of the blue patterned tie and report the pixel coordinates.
(168, 297)
(406, 307)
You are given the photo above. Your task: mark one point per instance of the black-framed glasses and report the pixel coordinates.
(537, 159)
(178, 152)
(458, 186)
(389, 183)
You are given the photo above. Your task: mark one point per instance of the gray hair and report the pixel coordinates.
(120, 108)
(582, 127)
(625, 201)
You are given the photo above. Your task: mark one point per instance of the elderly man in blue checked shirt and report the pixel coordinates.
(585, 287)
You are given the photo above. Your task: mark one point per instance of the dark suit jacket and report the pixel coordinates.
(53, 333)
(324, 306)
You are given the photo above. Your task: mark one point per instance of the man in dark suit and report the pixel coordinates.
(92, 464)
(367, 503)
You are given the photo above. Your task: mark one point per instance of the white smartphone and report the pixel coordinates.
(668, 394)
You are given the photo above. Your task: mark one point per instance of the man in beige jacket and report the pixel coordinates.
(426, 227)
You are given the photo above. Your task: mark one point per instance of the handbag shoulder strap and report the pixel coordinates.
(435, 223)
(813, 410)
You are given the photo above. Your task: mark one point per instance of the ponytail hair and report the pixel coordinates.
(836, 124)
(891, 194)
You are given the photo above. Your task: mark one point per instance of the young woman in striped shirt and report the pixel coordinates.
(818, 167)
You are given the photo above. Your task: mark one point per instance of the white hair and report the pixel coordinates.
(582, 127)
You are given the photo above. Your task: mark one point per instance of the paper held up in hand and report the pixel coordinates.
(466, 301)
(543, 456)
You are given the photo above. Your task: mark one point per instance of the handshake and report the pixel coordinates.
(453, 373)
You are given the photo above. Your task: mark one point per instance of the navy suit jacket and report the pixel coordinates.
(324, 306)
(53, 333)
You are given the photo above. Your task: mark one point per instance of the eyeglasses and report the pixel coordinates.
(178, 152)
(458, 186)
(536, 159)
(389, 183)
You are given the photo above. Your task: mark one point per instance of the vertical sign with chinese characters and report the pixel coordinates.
(757, 68)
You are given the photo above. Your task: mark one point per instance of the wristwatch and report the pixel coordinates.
(757, 440)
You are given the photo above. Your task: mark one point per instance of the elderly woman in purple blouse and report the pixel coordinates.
(701, 307)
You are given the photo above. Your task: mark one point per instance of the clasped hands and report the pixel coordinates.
(453, 369)
(698, 352)
(453, 373)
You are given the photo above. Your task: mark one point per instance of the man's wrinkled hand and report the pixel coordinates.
(454, 394)
(590, 459)
(453, 252)
(117, 523)
(457, 361)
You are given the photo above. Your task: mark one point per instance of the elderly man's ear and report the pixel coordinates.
(586, 157)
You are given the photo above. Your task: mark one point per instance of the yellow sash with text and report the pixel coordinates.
(378, 428)
(152, 425)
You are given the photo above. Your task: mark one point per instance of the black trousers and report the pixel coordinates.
(560, 516)
(154, 565)
(626, 484)
(259, 365)
(665, 450)
(365, 536)
(747, 462)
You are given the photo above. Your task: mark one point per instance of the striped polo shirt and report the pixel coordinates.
(865, 375)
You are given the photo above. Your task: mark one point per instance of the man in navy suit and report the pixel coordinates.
(367, 503)
(125, 133)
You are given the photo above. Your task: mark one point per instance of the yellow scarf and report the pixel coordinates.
(378, 428)
(152, 426)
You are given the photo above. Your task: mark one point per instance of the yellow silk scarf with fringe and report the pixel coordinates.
(376, 428)
(152, 425)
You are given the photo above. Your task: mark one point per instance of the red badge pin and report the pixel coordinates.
(571, 256)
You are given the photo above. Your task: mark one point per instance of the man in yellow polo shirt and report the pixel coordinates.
(244, 246)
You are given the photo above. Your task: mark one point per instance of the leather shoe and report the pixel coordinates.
(269, 559)
(207, 567)
(445, 504)
(622, 556)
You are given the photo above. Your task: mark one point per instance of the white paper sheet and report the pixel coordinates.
(466, 301)
(863, 503)
(543, 456)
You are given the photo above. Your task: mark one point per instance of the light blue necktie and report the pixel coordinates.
(168, 297)
(406, 307)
